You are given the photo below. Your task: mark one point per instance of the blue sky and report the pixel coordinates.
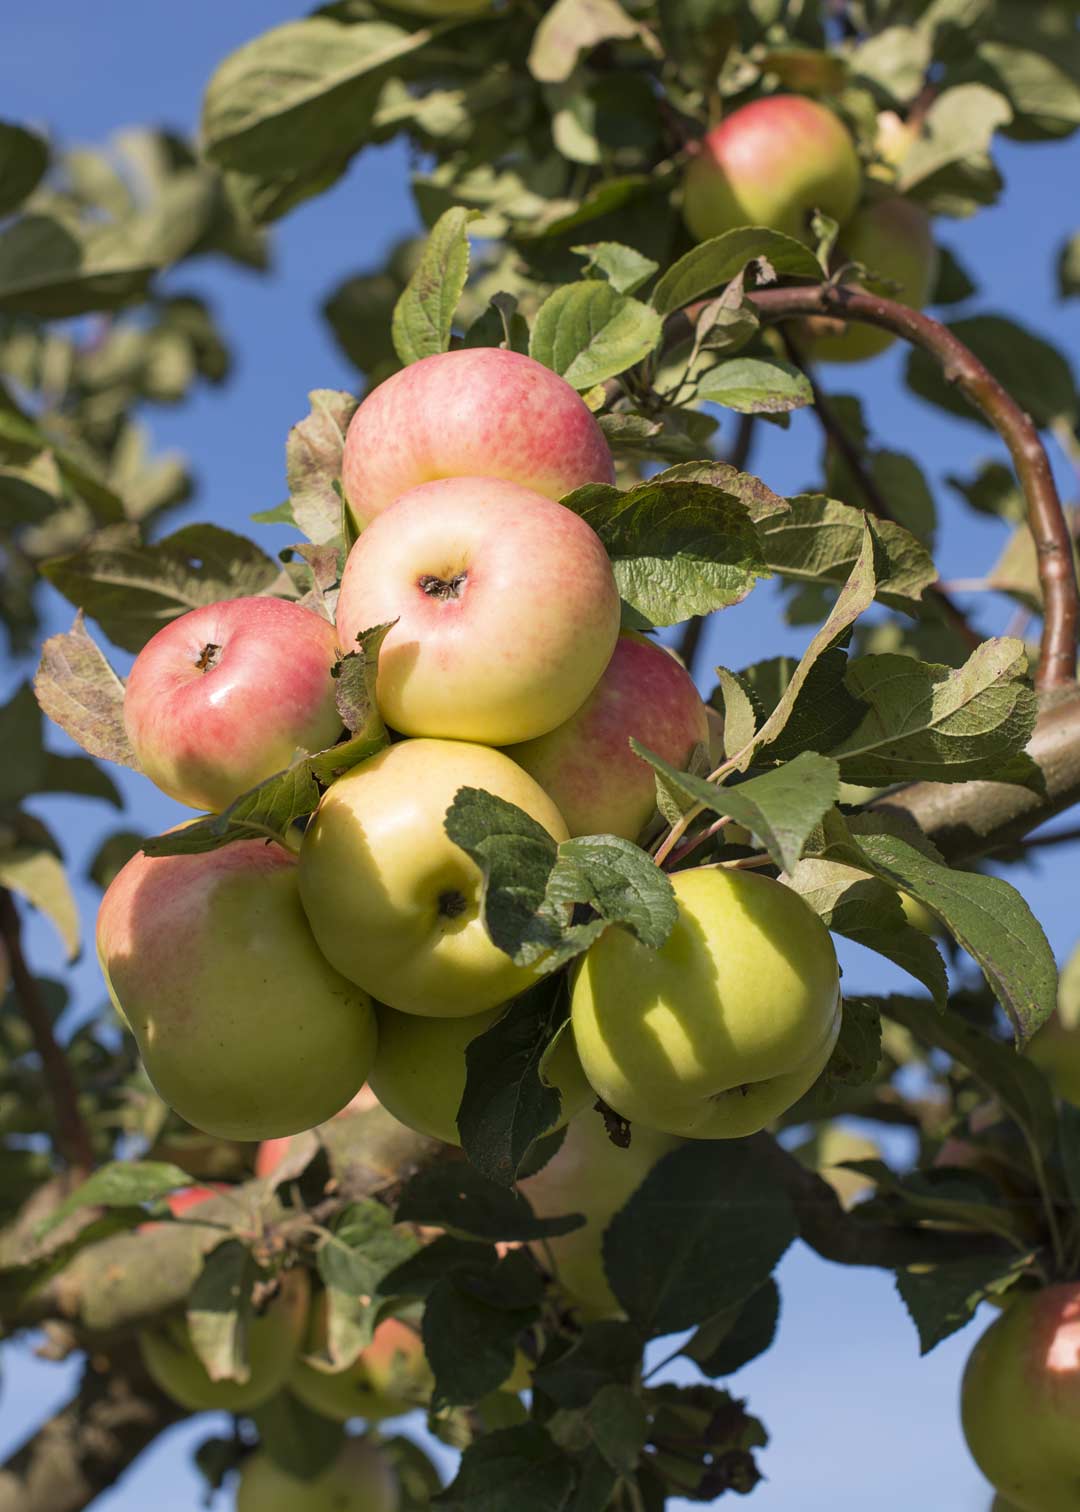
(857, 1419)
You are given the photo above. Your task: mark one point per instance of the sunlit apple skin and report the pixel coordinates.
(590, 1175)
(919, 916)
(892, 237)
(419, 1071)
(505, 605)
(390, 1377)
(273, 1340)
(394, 904)
(476, 412)
(243, 1026)
(361, 1479)
(1020, 1401)
(772, 163)
(587, 766)
(1056, 1051)
(225, 696)
(726, 1025)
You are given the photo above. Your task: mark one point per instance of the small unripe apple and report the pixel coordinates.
(893, 238)
(1056, 1052)
(273, 1339)
(589, 1174)
(395, 905)
(419, 1071)
(244, 1028)
(388, 1378)
(475, 412)
(726, 1025)
(226, 695)
(772, 163)
(504, 606)
(361, 1479)
(919, 916)
(1020, 1400)
(586, 764)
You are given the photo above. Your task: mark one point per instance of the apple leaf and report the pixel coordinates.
(820, 540)
(942, 1298)
(570, 28)
(219, 1311)
(677, 547)
(759, 498)
(717, 261)
(302, 1442)
(755, 385)
(519, 1467)
(604, 1351)
(695, 1237)
(618, 881)
(313, 455)
(624, 269)
(32, 869)
(266, 812)
(1069, 268)
(463, 1200)
(418, 1276)
(80, 692)
(119, 1183)
(854, 1060)
(1039, 376)
(24, 157)
(737, 1335)
(363, 1246)
(823, 714)
(734, 701)
(424, 314)
(588, 331)
(471, 1324)
(356, 675)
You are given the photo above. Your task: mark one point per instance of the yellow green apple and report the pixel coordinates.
(273, 1340)
(419, 1071)
(1056, 1051)
(1020, 1400)
(589, 1174)
(772, 163)
(919, 916)
(388, 1378)
(394, 904)
(227, 694)
(477, 412)
(503, 607)
(587, 765)
(208, 957)
(726, 1025)
(360, 1479)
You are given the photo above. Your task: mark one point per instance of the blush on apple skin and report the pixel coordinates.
(226, 695)
(477, 411)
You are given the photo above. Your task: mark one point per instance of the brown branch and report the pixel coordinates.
(875, 499)
(1049, 528)
(72, 1135)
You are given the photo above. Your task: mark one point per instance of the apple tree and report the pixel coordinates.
(478, 1027)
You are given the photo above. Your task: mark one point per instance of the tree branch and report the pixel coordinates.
(72, 1135)
(1049, 528)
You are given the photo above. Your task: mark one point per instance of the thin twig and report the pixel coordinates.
(72, 1135)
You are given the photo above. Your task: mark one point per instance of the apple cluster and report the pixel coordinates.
(777, 161)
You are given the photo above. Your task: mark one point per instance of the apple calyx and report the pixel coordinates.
(208, 657)
(452, 903)
(444, 588)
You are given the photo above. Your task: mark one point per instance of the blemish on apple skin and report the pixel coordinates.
(208, 658)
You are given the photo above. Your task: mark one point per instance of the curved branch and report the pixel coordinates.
(1049, 529)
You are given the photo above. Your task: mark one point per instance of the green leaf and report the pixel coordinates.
(1068, 268)
(469, 1342)
(219, 1311)
(1042, 89)
(354, 693)
(120, 1184)
(893, 63)
(604, 1351)
(1038, 375)
(717, 261)
(823, 713)
(618, 881)
(24, 157)
(943, 1298)
(856, 1055)
(936, 724)
(79, 691)
(618, 1425)
(760, 500)
(955, 132)
(132, 590)
(302, 1442)
(424, 314)
(570, 28)
(460, 1198)
(733, 701)
(677, 547)
(819, 540)
(696, 1236)
(755, 385)
(624, 269)
(313, 454)
(589, 331)
(519, 1467)
(737, 1335)
(36, 873)
(363, 1246)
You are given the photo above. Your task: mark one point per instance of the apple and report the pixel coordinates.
(590, 1175)
(225, 696)
(894, 138)
(772, 163)
(394, 904)
(919, 916)
(891, 237)
(1020, 1400)
(477, 411)
(360, 1479)
(273, 1339)
(1056, 1052)
(726, 1025)
(272, 1152)
(504, 606)
(419, 1070)
(242, 1025)
(388, 1378)
(586, 764)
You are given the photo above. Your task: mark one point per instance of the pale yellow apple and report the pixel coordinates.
(419, 1071)
(726, 1025)
(361, 1479)
(1020, 1401)
(243, 1026)
(503, 607)
(388, 1378)
(919, 916)
(394, 904)
(590, 1175)
(273, 1340)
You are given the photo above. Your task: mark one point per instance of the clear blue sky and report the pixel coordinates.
(858, 1421)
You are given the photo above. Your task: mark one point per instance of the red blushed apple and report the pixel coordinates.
(479, 411)
(505, 608)
(772, 163)
(184, 1200)
(226, 695)
(586, 766)
(272, 1152)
